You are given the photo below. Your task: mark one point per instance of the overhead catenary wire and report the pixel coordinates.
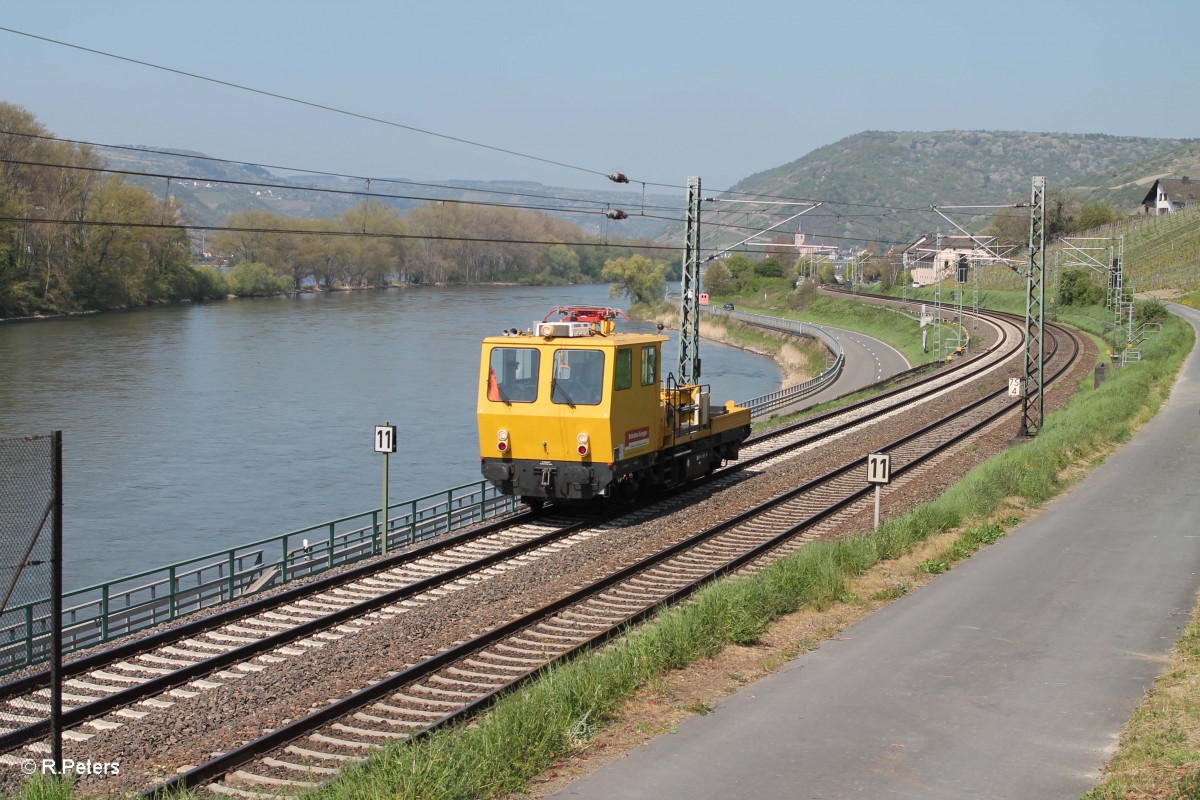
(181, 226)
(322, 173)
(367, 193)
(602, 210)
(308, 103)
(607, 174)
(187, 227)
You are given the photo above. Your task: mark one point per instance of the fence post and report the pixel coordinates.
(171, 593)
(331, 545)
(374, 527)
(29, 633)
(283, 578)
(412, 521)
(104, 613)
(232, 570)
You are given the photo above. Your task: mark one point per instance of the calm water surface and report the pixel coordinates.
(192, 428)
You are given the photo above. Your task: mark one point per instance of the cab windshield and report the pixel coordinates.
(513, 375)
(578, 377)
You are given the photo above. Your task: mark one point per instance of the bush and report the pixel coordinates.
(209, 284)
(252, 279)
(1078, 289)
(802, 297)
(1149, 311)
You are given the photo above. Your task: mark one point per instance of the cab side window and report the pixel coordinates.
(623, 370)
(649, 366)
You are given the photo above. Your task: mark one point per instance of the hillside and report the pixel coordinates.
(1126, 185)
(904, 170)
(208, 201)
(911, 170)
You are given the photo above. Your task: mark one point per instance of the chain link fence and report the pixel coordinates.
(31, 555)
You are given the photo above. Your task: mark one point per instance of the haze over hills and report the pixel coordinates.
(222, 188)
(900, 170)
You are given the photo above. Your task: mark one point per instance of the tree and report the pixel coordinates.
(718, 279)
(637, 277)
(250, 278)
(1062, 211)
(769, 268)
(741, 267)
(1095, 214)
(1010, 226)
(557, 265)
(1076, 288)
(827, 273)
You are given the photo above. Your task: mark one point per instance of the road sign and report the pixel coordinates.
(879, 468)
(1014, 387)
(385, 438)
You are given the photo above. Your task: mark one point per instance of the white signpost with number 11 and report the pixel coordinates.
(879, 472)
(385, 442)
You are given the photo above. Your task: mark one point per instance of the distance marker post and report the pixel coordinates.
(879, 472)
(385, 442)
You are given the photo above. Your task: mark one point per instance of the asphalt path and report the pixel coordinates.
(1010, 676)
(868, 361)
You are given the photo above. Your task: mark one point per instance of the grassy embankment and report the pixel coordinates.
(529, 730)
(798, 361)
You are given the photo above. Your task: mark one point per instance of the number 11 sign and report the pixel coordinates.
(385, 442)
(879, 468)
(879, 472)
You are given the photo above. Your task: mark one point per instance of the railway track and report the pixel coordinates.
(463, 679)
(121, 682)
(127, 683)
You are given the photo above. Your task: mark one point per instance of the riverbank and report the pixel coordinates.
(797, 359)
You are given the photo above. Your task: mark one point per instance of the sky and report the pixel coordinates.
(657, 90)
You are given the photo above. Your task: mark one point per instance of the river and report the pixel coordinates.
(196, 427)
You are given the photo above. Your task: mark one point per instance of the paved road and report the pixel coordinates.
(868, 360)
(1011, 676)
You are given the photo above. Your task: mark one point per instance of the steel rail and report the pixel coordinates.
(185, 674)
(285, 734)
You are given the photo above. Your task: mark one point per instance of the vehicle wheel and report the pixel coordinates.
(534, 503)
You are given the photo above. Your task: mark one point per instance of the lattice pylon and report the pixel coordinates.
(689, 305)
(1035, 354)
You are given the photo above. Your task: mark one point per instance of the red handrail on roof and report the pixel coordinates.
(590, 314)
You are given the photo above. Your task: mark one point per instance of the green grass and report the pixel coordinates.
(1192, 299)
(1158, 756)
(885, 324)
(530, 729)
(47, 787)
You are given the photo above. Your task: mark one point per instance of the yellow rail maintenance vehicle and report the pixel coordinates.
(571, 411)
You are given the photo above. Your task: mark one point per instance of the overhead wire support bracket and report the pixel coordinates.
(974, 239)
(755, 235)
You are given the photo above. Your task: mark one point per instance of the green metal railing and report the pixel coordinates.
(102, 612)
